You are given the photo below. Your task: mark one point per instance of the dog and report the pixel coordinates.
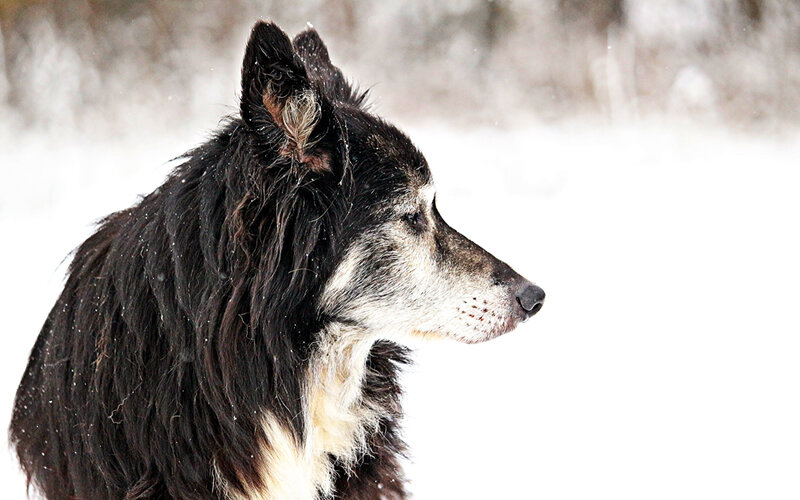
(239, 332)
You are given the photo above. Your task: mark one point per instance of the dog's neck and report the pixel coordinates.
(338, 419)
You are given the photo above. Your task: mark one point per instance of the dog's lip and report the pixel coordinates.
(509, 323)
(507, 326)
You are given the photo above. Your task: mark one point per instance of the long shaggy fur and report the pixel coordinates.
(183, 320)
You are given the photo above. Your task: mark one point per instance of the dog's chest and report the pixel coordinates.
(339, 420)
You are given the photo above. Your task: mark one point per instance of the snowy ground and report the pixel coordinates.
(664, 364)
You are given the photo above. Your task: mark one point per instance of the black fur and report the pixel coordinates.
(188, 316)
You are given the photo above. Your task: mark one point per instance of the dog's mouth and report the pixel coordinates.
(480, 330)
(508, 325)
(430, 335)
(480, 319)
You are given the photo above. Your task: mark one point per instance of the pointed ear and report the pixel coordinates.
(314, 54)
(277, 95)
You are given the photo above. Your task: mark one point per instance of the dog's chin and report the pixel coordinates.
(474, 337)
(492, 334)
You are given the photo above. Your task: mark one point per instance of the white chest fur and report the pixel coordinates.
(337, 422)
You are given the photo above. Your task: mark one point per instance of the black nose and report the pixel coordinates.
(531, 298)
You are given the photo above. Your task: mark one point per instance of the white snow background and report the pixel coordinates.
(665, 363)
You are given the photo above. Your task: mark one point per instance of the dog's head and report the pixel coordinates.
(393, 266)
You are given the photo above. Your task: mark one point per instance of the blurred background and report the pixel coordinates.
(638, 159)
(72, 63)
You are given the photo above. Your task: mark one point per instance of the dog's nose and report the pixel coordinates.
(531, 298)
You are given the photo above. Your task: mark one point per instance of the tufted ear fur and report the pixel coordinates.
(314, 54)
(279, 101)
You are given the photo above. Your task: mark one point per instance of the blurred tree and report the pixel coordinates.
(752, 9)
(597, 15)
(548, 57)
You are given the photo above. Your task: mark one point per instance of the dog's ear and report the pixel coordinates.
(317, 61)
(278, 98)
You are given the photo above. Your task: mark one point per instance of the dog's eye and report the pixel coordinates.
(416, 220)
